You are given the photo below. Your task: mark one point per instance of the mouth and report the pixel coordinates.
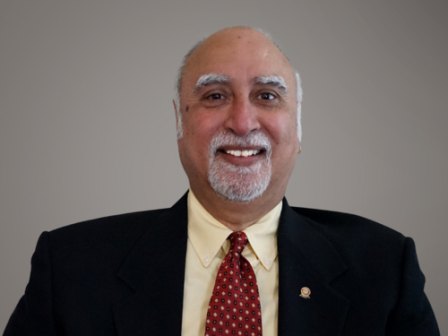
(241, 156)
(251, 149)
(241, 152)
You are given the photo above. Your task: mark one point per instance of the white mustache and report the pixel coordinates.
(225, 138)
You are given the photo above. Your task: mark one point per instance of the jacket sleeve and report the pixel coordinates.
(34, 312)
(412, 315)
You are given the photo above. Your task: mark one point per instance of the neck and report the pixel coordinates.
(237, 216)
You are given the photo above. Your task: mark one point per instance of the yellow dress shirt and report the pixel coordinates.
(206, 248)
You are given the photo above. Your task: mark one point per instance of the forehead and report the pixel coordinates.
(240, 55)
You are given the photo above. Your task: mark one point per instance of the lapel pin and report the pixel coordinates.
(305, 293)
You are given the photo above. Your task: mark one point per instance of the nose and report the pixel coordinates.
(242, 117)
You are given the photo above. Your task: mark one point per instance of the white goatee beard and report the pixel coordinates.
(239, 183)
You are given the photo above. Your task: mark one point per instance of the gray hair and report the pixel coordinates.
(180, 74)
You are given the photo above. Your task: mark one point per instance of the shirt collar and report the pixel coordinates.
(208, 235)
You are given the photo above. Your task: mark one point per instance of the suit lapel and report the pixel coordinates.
(155, 271)
(307, 259)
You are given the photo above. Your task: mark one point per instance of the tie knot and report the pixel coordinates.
(238, 241)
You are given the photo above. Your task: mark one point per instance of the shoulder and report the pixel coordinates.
(355, 236)
(345, 224)
(128, 221)
(105, 235)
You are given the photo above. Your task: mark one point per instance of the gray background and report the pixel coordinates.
(87, 127)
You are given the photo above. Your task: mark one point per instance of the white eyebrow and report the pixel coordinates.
(272, 80)
(209, 79)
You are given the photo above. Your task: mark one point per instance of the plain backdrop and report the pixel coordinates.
(87, 127)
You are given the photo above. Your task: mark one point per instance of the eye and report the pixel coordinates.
(215, 96)
(266, 96)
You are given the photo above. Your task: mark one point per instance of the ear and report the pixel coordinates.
(178, 120)
(175, 111)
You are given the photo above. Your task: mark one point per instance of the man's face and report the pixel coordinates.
(239, 116)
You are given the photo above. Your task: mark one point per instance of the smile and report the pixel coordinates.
(244, 153)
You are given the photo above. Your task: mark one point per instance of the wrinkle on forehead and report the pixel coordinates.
(255, 42)
(234, 37)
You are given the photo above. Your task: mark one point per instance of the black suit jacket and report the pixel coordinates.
(124, 276)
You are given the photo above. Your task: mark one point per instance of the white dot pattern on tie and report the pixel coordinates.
(234, 307)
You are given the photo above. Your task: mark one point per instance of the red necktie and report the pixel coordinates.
(234, 307)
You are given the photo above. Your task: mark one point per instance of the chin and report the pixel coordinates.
(239, 183)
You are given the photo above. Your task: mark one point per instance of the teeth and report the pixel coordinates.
(244, 153)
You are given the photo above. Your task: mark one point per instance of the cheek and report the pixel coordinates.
(282, 128)
(201, 125)
(199, 130)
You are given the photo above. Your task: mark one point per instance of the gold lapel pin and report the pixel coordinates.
(305, 293)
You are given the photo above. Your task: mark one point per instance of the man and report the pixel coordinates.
(231, 256)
